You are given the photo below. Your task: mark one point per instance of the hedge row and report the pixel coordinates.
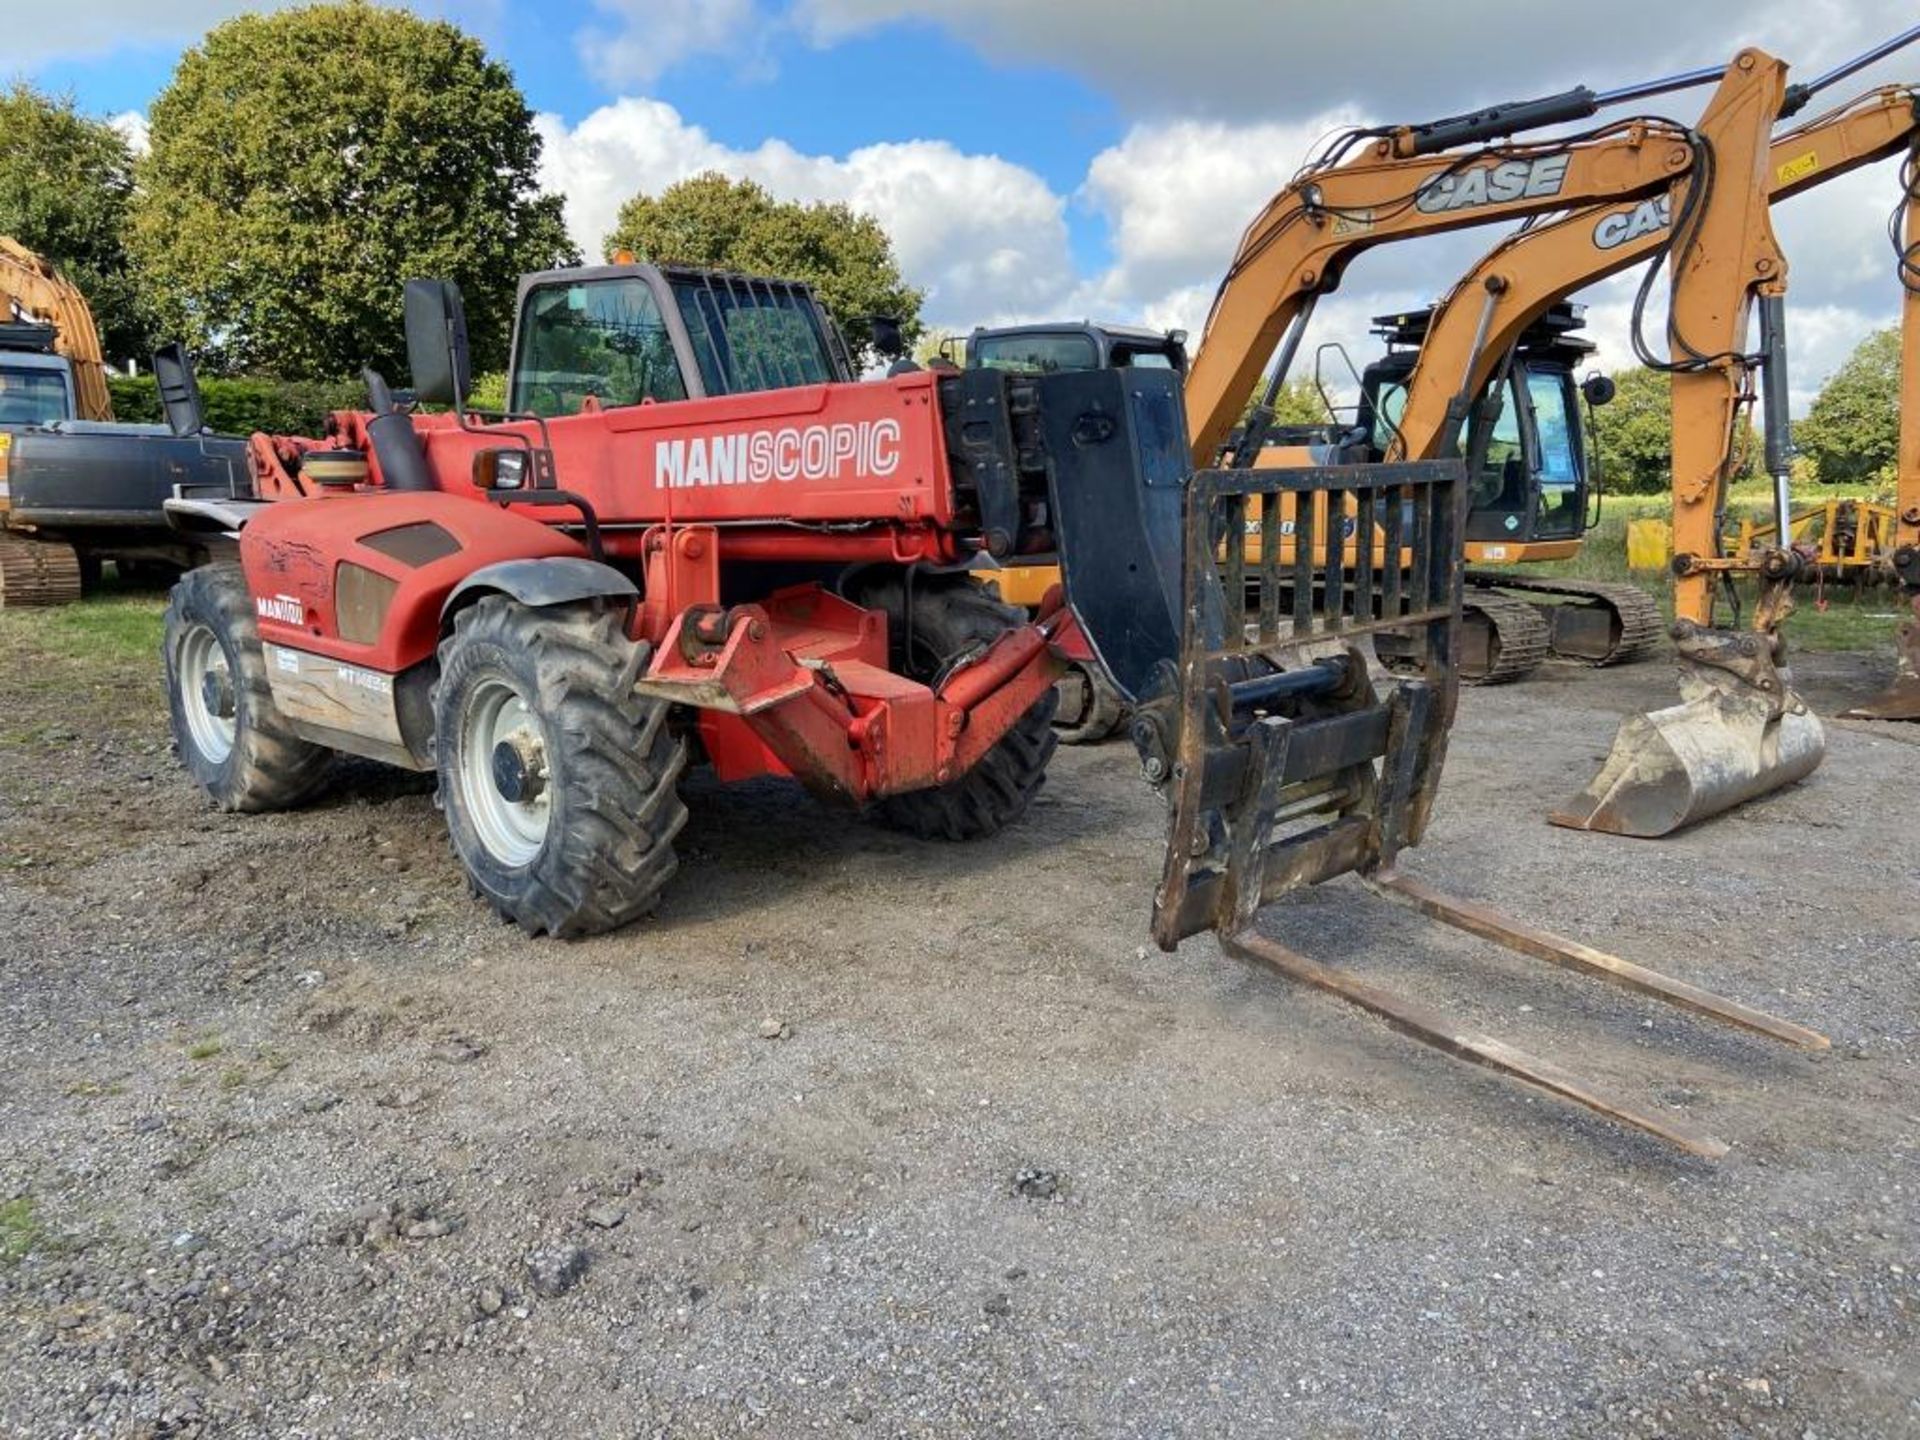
(279, 407)
(242, 406)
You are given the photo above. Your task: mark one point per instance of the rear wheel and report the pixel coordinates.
(951, 618)
(558, 781)
(235, 743)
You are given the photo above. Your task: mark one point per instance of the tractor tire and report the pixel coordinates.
(558, 782)
(951, 618)
(232, 739)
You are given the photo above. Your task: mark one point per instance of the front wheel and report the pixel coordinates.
(947, 620)
(558, 782)
(232, 739)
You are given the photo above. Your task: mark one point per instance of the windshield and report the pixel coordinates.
(753, 334)
(33, 397)
(1561, 504)
(1035, 354)
(604, 338)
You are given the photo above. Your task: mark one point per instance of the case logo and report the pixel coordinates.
(1494, 184)
(1621, 226)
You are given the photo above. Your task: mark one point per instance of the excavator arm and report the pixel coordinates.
(1299, 246)
(31, 289)
(1517, 282)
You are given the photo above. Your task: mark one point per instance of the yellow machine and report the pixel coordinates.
(42, 312)
(1742, 732)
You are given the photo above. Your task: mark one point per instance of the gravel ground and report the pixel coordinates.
(862, 1136)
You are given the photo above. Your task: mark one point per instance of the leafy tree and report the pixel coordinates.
(1298, 403)
(305, 164)
(736, 225)
(1853, 430)
(66, 182)
(1636, 436)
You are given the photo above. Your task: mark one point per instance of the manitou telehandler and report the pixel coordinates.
(694, 538)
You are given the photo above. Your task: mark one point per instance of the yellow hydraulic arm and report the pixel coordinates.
(1519, 280)
(31, 289)
(1298, 247)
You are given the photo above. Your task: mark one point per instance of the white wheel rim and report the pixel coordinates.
(203, 667)
(511, 830)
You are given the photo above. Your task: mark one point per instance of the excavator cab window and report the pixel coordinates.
(33, 397)
(1531, 481)
(1556, 426)
(605, 338)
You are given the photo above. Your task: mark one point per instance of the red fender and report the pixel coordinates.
(363, 577)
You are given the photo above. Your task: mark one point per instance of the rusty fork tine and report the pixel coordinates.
(1527, 939)
(1444, 1033)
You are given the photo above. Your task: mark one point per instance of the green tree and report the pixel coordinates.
(66, 182)
(1853, 430)
(305, 164)
(1636, 436)
(1298, 403)
(845, 256)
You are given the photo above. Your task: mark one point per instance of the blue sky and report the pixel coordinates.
(1052, 157)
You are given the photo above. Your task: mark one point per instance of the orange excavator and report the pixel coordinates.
(51, 367)
(1740, 731)
(1480, 331)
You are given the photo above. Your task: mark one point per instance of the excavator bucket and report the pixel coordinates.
(1287, 766)
(1739, 732)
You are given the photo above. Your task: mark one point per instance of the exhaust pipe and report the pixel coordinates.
(1739, 732)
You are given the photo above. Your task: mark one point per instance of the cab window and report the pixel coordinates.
(1561, 500)
(753, 334)
(1034, 354)
(604, 338)
(33, 397)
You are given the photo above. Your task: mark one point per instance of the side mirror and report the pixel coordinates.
(1599, 389)
(179, 391)
(437, 343)
(888, 338)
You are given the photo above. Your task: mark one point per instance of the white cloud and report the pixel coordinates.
(648, 37)
(39, 33)
(987, 239)
(133, 125)
(1407, 59)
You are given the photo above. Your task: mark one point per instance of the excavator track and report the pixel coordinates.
(1592, 622)
(37, 572)
(1501, 640)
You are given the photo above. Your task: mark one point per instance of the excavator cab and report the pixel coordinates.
(1534, 472)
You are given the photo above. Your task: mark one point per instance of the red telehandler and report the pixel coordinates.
(695, 538)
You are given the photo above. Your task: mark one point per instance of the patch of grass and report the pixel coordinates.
(205, 1048)
(1826, 618)
(20, 1229)
(105, 628)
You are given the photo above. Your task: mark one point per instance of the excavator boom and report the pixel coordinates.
(32, 290)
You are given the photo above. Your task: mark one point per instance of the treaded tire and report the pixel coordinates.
(268, 767)
(611, 765)
(950, 618)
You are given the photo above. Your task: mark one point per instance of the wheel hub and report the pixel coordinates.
(520, 768)
(216, 693)
(503, 771)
